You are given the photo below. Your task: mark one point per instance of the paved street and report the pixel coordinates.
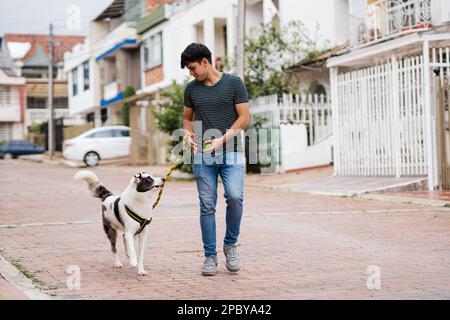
(293, 245)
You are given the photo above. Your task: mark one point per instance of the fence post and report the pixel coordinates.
(428, 115)
(335, 120)
(396, 115)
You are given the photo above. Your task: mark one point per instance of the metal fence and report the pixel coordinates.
(314, 111)
(380, 120)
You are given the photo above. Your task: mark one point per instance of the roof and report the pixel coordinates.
(323, 56)
(114, 10)
(18, 50)
(39, 45)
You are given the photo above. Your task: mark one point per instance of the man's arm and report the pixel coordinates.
(238, 126)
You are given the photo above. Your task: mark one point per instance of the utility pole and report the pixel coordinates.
(51, 138)
(240, 57)
(240, 39)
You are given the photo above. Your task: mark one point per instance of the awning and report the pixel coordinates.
(118, 97)
(115, 48)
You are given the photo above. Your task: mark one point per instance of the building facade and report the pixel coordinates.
(26, 56)
(385, 90)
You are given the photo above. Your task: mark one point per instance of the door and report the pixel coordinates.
(443, 133)
(105, 143)
(123, 141)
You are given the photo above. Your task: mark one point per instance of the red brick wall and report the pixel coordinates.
(154, 75)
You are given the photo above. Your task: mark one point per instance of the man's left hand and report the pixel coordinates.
(213, 144)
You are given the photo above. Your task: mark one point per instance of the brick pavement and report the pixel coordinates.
(293, 245)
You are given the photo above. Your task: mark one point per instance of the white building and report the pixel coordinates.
(168, 30)
(107, 63)
(12, 106)
(385, 96)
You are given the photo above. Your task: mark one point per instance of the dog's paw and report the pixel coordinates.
(142, 273)
(118, 265)
(133, 263)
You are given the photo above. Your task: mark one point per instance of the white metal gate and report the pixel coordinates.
(379, 121)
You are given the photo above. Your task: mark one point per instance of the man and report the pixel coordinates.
(218, 103)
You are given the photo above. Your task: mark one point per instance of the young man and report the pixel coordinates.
(216, 105)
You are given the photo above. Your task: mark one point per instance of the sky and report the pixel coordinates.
(69, 17)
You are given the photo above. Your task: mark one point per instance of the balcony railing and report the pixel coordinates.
(41, 115)
(110, 90)
(388, 19)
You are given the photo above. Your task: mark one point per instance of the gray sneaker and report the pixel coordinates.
(209, 266)
(233, 263)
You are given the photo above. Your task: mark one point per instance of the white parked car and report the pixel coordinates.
(99, 143)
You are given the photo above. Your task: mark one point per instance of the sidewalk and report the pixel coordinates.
(9, 292)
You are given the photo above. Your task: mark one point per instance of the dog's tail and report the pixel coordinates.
(94, 184)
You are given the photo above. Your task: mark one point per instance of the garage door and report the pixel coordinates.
(6, 131)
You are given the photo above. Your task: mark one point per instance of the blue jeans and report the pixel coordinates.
(207, 168)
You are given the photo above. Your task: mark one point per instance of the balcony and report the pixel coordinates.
(111, 94)
(385, 20)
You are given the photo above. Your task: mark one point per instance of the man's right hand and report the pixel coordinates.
(190, 141)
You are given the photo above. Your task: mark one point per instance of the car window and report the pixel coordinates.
(104, 134)
(122, 133)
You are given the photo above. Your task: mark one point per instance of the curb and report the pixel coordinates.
(400, 199)
(22, 283)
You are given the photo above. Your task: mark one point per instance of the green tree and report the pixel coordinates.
(169, 117)
(270, 51)
(129, 91)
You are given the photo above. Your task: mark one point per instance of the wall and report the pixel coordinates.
(182, 28)
(330, 15)
(299, 155)
(12, 113)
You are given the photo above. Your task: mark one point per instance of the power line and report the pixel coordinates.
(40, 21)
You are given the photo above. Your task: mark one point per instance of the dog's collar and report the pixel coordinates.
(143, 222)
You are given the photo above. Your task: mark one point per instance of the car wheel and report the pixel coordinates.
(8, 156)
(91, 159)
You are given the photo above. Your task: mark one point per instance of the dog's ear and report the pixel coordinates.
(137, 177)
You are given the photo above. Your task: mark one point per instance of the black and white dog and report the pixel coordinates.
(129, 213)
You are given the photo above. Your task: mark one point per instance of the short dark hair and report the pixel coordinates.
(195, 52)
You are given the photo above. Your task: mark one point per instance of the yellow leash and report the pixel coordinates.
(174, 165)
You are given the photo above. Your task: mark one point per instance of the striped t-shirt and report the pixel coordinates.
(214, 106)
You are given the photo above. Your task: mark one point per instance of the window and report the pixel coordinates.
(103, 134)
(153, 51)
(5, 96)
(60, 103)
(74, 82)
(134, 9)
(122, 133)
(86, 75)
(36, 103)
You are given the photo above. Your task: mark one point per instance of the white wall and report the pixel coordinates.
(295, 152)
(330, 15)
(85, 100)
(11, 113)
